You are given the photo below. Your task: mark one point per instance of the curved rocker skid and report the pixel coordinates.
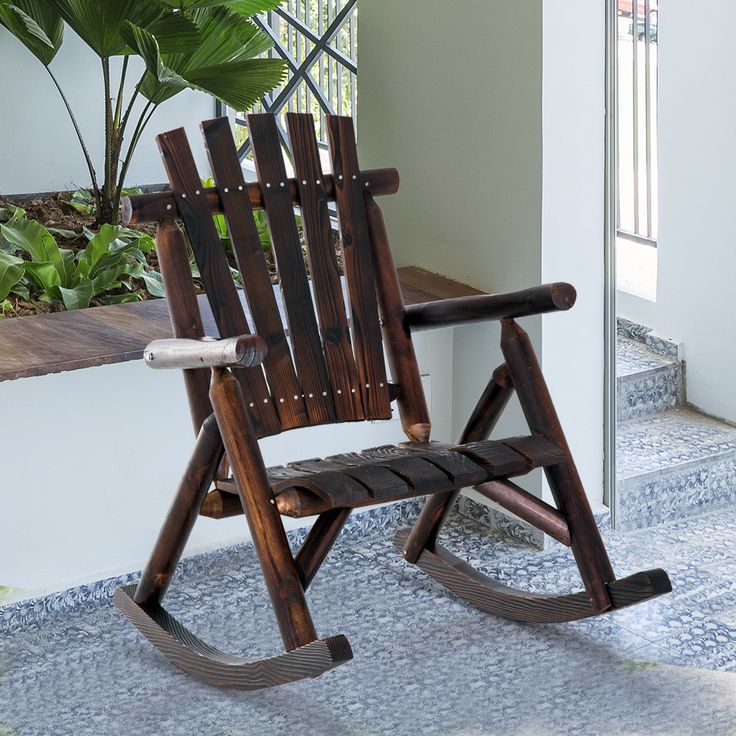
(501, 600)
(199, 659)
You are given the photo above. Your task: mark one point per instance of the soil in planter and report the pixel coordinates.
(54, 211)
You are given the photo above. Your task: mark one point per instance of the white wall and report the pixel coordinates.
(573, 179)
(496, 126)
(95, 455)
(697, 160)
(39, 150)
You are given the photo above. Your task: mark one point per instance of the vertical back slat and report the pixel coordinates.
(253, 268)
(358, 267)
(303, 330)
(323, 267)
(214, 269)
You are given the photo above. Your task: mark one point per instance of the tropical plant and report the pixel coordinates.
(207, 45)
(104, 270)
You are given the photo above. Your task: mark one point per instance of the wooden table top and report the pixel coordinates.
(66, 341)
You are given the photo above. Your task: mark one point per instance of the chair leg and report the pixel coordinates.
(567, 488)
(306, 656)
(269, 538)
(437, 508)
(182, 515)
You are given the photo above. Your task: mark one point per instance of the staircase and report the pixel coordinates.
(671, 461)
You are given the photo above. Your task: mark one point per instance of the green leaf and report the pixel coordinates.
(32, 238)
(134, 296)
(45, 277)
(79, 297)
(60, 232)
(247, 7)
(82, 202)
(36, 24)
(11, 272)
(154, 283)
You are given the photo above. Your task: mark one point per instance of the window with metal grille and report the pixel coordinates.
(318, 41)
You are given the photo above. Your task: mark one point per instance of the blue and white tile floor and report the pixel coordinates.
(425, 662)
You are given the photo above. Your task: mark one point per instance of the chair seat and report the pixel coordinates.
(394, 472)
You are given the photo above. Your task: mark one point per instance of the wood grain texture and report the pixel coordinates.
(254, 273)
(402, 358)
(269, 538)
(156, 206)
(501, 600)
(186, 318)
(366, 330)
(567, 488)
(118, 333)
(323, 267)
(467, 309)
(390, 473)
(206, 663)
(303, 329)
(213, 267)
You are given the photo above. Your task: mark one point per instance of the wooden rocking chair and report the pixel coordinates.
(259, 379)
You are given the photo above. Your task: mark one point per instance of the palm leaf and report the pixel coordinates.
(36, 24)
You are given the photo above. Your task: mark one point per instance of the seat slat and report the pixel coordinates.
(215, 272)
(253, 268)
(310, 362)
(498, 460)
(338, 489)
(538, 451)
(421, 476)
(461, 470)
(356, 245)
(382, 484)
(323, 266)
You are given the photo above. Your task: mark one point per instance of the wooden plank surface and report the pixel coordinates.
(67, 341)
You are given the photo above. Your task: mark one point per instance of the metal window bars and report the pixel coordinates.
(636, 106)
(318, 41)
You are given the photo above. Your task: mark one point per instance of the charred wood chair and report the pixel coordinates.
(325, 364)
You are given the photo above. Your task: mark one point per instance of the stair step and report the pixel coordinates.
(671, 465)
(646, 382)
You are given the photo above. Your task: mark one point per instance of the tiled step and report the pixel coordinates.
(673, 464)
(647, 382)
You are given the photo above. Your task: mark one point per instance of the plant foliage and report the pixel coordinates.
(207, 45)
(106, 269)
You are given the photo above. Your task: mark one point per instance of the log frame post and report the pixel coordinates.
(567, 488)
(280, 570)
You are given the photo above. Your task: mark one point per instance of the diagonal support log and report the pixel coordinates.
(567, 488)
(482, 420)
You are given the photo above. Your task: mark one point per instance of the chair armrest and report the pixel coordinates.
(448, 312)
(209, 352)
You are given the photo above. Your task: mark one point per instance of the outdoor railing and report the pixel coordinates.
(636, 104)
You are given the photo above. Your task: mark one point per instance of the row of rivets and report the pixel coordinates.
(311, 395)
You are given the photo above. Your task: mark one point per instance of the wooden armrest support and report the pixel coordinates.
(448, 312)
(245, 350)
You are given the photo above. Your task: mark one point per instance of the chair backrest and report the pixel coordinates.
(325, 363)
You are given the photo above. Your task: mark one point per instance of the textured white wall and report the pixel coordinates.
(39, 151)
(697, 159)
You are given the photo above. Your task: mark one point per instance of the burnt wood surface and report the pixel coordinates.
(358, 264)
(156, 206)
(253, 267)
(518, 605)
(338, 374)
(323, 266)
(394, 472)
(214, 270)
